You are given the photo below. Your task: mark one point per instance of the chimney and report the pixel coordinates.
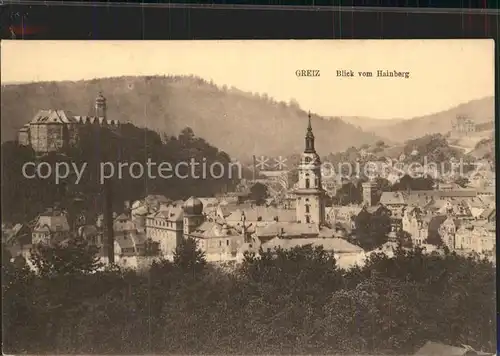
(108, 218)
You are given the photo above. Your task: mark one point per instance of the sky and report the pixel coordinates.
(442, 73)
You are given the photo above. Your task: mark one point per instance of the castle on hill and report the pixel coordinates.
(462, 126)
(56, 130)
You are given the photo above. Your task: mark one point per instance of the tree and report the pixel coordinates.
(404, 238)
(434, 239)
(409, 183)
(186, 135)
(294, 103)
(151, 248)
(372, 229)
(259, 193)
(381, 185)
(462, 181)
(349, 193)
(188, 257)
(71, 256)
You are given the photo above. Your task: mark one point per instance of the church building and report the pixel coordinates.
(310, 208)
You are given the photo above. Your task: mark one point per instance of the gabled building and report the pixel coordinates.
(255, 214)
(416, 223)
(166, 227)
(447, 230)
(51, 226)
(478, 236)
(219, 242)
(57, 130)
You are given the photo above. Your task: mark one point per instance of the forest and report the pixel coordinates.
(283, 302)
(26, 198)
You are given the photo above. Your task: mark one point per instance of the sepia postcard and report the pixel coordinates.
(248, 197)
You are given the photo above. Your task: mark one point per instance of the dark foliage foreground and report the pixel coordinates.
(285, 302)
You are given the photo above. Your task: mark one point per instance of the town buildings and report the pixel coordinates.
(229, 225)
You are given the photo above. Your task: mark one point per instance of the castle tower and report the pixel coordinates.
(100, 106)
(310, 204)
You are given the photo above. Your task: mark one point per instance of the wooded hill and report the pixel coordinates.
(240, 123)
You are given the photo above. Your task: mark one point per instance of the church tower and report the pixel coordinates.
(100, 106)
(310, 194)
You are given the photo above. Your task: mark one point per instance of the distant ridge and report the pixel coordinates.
(482, 111)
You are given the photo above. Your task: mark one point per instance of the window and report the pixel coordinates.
(308, 220)
(307, 183)
(227, 242)
(220, 243)
(307, 208)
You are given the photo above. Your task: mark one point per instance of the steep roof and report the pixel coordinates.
(488, 213)
(392, 198)
(168, 212)
(210, 229)
(51, 222)
(229, 208)
(53, 117)
(262, 213)
(287, 229)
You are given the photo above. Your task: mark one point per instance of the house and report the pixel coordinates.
(129, 252)
(459, 209)
(343, 214)
(394, 201)
(51, 226)
(56, 130)
(225, 209)
(448, 230)
(166, 227)
(477, 236)
(219, 242)
(489, 214)
(416, 223)
(209, 203)
(398, 199)
(476, 206)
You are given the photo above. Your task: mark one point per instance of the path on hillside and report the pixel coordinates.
(465, 149)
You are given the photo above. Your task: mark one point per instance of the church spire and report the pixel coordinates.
(309, 137)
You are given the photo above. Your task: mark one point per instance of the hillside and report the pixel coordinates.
(242, 124)
(366, 123)
(482, 111)
(484, 149)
